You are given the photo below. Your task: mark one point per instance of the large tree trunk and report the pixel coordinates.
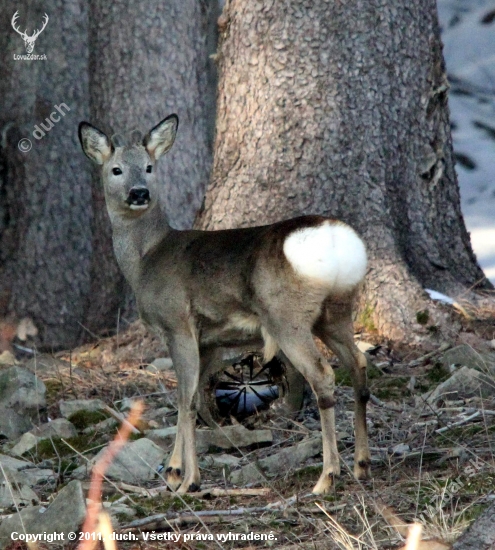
(45, 197)
(340, 108)
(148, 59)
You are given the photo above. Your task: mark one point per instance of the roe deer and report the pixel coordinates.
(203, 290)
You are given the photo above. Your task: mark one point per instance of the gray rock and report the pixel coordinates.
(232, 437)
(138, 461)
(21, 391)
(279, 463)
(65, 514)
(226, 460)
(33, 476)
(162, 415)
(27, 442)
(225, 438)
(7, 358)
(13, 424)
(15, 492)
(164, 437)
(68, 408)
(14, 463)
(400, 449)
(47, 364)
(160, 364)
(119, 512)
(104, 426)
(466, 356)
(220, 461)
(465, 382)
(60, 427)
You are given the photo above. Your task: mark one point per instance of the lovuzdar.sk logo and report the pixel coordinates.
(29, 40)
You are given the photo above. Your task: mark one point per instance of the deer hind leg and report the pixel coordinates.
(300, 349)
(292, 388)
(211, 363)
(185, 356)
(339, 337)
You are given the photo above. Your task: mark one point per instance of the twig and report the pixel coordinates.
(279, 506)
(94, 495)
(419, 360)
(374, 399)
(213, 491)
(460, 423)
(121, 418)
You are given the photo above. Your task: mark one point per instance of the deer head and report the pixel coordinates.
(29, 40)
(128, 172)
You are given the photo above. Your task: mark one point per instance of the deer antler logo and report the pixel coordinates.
(29, 40)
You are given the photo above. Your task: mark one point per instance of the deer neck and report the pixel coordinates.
(135, 236)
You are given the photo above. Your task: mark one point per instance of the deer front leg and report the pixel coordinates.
(184, 462)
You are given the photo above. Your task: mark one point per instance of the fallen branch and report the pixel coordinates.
(460, 423)
(374, 399)
(423, 358)
(121, 418)
(211, 492)
(168, 517)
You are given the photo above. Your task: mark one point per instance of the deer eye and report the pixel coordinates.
(116, 171)
(149, 169)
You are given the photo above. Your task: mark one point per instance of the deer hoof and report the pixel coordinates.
(362, 469)
(173, 478)
(324, 484)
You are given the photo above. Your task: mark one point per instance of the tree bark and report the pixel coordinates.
(45, 197)
(148, 60)
(340, 108)
(481, 534)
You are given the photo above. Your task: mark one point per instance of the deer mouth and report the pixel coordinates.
(143, 206)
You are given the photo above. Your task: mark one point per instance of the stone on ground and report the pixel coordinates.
(64, 515)
(464, 383)
(280, 463)
(60, 427)
(69, 407)
(138, 461)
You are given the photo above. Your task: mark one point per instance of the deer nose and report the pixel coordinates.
(138, 196)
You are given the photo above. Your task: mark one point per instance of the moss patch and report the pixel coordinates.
(55, 447)
(166, 502)
(438, 373)
(84, 419)
(366, 318)
(423, 316)
(343, 375)
(391, 388)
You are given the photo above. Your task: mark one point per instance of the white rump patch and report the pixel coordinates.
(331, 253)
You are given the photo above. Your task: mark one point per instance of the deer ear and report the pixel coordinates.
(160, 139)
(95, 144)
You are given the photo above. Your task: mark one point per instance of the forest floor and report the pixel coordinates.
(433, 461)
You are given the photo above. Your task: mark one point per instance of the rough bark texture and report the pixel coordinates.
(340, 108)
(481, 534)
(45, 196)
(148, 60)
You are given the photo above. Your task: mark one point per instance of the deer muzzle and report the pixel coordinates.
(138, 198)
